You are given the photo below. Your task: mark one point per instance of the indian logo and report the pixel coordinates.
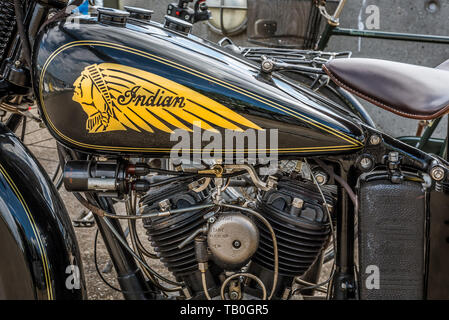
(117, 97)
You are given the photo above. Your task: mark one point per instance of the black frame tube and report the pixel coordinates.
(130, 277)
(343, 285)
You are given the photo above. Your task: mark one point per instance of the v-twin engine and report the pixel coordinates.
(234, 240)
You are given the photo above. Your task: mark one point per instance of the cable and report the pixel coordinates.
(330, 223)
(341, 181)
(204, 283)
(168, 172)
(101, 213)
(248, 275)
(98, 269)
(136, 256)
(310, 286)
(133, 232)
(316, 286)
(131, 209)
(168, 181)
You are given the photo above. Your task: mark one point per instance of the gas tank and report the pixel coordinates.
(135, 87)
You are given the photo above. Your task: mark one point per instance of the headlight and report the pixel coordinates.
(228, 16)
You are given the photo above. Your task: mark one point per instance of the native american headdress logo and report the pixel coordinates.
(117, 97)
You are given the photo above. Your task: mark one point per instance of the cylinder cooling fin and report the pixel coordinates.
(237, 241)
(300, 221)
(167, 233)
(7, 26)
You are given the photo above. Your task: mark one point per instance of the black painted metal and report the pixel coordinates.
(438, 261)
(28, 187)
(7, 26)
(303, 121)
(301, 237)
(392, 239)
(165, 234)
(343, 285)
(129, 276)
(38, 245)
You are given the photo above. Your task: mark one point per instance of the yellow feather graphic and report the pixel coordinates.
(117, 97)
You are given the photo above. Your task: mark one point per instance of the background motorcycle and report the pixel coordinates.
(84, 72)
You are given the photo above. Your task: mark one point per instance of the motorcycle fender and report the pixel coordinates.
(39, 254)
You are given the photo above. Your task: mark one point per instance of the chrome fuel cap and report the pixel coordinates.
(139, 13)
(112, 16)
(176, 24)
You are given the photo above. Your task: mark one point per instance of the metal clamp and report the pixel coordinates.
(269, 65)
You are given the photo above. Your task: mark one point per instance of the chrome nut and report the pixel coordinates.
(267, 66)
(437, 173)
(375, 140)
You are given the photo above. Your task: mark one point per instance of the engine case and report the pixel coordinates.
(232, 240)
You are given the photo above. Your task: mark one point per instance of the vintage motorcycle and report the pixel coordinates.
(118, 90)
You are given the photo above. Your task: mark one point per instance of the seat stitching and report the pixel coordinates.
(381, 104)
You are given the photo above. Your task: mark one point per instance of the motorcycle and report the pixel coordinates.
(241, 176)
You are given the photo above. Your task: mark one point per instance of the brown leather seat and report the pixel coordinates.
(408, 90)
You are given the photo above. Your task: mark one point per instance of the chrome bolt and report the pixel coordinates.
(272, 182)
(234, 295)
(267, 66)
(211, 220)
(298, 203)
(321, 178)
(375, 140)
(236, 244)
(437, 173)
(366, 163)
(164, 205)
(17, 63)
(393, 156)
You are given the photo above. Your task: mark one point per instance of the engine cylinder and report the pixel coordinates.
(300, 222)
(167, 233)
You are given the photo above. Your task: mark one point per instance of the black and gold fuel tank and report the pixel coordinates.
(126, 89)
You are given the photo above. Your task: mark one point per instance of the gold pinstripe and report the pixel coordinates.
(35, 231)
(354, 144)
